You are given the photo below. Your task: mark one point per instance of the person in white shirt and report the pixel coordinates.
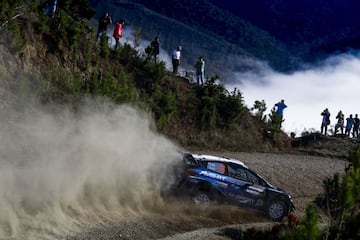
(176, 59)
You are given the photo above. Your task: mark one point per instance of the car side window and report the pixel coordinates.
(237, 172)
(254, 179)
(217, 167)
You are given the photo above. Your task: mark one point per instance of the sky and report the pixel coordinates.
(332, 84)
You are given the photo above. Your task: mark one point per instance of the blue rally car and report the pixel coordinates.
(208, 179)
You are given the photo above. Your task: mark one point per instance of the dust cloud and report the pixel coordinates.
(61, 171)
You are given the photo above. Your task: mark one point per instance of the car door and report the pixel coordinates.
(244, 186)
(216, 174)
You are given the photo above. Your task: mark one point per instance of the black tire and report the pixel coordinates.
(277, 210)
(202, 199)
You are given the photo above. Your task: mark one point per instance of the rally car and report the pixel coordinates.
(208, 179)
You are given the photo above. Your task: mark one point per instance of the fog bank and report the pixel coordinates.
(332, 84)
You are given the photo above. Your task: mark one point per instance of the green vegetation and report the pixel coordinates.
(232, 28)
(341, 202)
(10, 11)
(308, 229)
(72, 65)
(219, 107)
(275, 121)
(260, 107)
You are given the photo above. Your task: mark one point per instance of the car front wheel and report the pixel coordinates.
(202, 199)
(276, 210)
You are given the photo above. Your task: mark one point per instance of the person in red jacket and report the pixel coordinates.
(117, 34)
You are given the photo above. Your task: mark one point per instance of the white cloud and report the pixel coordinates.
(334, 84)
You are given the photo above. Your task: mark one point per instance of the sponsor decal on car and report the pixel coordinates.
(221, 184)
(212, 175)
(255, 190)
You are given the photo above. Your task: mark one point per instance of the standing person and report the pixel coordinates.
(356, 126)
(340, 122)
(349, 125)
(155, 46)
(325, 121)
(104, 21)
(176, 55)
(200, 69)
(50, 7)
(280, 106)
(118, 29)
(278, 115)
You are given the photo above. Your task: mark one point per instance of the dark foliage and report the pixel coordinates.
(310, 29)
(218, 107)
(206, 18)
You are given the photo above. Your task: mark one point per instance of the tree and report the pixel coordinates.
(260, 107)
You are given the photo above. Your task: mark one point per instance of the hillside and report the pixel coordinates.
(58, 61)
(326, 26)
(309, 30)
(222, 38)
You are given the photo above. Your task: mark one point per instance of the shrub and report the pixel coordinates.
(17, 41)
(330, 199)
(275, 121)
(10, 11)
(219, 107)
(164, 106)
(260, 107)
(350, 189)
(307, 230)
(346, 196)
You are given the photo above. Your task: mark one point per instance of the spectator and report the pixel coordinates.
(349, 125)
(325, 121)
(176, 55)
(280, 106)
(118, 29)
(356, 126)
(278, 111)
(50, 7)
(200, 69)
(104, 21)
(155, 47)
(340, 122)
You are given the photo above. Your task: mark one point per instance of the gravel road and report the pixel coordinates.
(300, 175)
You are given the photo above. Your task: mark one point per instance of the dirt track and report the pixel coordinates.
(300, 175)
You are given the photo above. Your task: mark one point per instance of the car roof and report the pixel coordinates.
(211, 158)
(204, 157)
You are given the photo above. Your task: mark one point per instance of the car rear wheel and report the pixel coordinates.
(276, 210)
(202, 199)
